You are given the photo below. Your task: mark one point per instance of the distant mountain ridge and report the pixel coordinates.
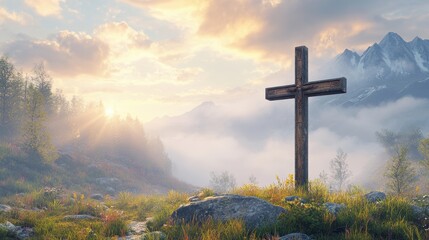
(388, 70)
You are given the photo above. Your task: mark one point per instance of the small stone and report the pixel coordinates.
(375, 196)
(295, 236)
(154, 236)
(97, 196)
(5, 208)
(419, 212)
(131, 237)
(137, 227)
(334, 208)
(295, 198)
(194, 199)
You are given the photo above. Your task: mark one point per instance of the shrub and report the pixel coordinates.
(114, 224)
(305, 218)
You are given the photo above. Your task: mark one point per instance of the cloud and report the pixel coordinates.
(66, 54)
(5, 15)
(123, 40)
(267, 30)
(45, 7)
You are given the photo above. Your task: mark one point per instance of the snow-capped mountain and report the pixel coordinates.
(388, 70)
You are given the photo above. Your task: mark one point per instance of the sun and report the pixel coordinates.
(109, 112)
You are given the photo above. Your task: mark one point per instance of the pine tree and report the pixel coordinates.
(36, 139)
(10, 97)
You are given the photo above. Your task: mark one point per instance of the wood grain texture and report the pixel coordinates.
(301, 90)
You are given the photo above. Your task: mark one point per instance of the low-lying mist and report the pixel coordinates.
(256, 137)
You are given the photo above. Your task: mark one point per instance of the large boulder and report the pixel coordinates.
(253, 211)
(375, 196)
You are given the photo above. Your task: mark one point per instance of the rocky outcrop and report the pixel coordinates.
(253, 211)
(375, 196)
(295, 236)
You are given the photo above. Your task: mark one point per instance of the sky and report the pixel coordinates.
(157, 58)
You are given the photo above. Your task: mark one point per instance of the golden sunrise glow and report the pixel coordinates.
(109, 112)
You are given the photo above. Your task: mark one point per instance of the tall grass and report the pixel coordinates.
(389, 219)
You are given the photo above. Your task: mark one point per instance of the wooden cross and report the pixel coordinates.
(301, 90)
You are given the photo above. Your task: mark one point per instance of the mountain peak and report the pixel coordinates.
(392, 38)
(348, 52)
(417, 39)
(348, 58)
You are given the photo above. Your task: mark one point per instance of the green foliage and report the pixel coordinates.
(10, 97)
(114, 224)
(389, 219)
(222, 182)
(339, 170)
(206, 192)
(36, 138)
(305, 218)
(409, 138)
(3, 233)
(209, 230)
(424, 150)
(34, 122)
(399, 172)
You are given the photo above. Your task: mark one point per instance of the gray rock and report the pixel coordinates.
(17, 231)
(253, 211)
(194, 199)
(295, 236)
(295, 198)
(154, 236)
(420, 212)
(375, 196)
(5, 208)
(334, 208)
(136, 228)
(78, 217)
(131, 237)
(110, 190)
(97, 196)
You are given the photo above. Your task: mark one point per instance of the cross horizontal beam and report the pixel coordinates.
(310, 89)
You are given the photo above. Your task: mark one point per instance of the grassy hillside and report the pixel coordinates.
(22, 173)
(390, 219)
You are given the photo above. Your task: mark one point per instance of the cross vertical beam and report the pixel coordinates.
(301, 117)
(301, 91)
